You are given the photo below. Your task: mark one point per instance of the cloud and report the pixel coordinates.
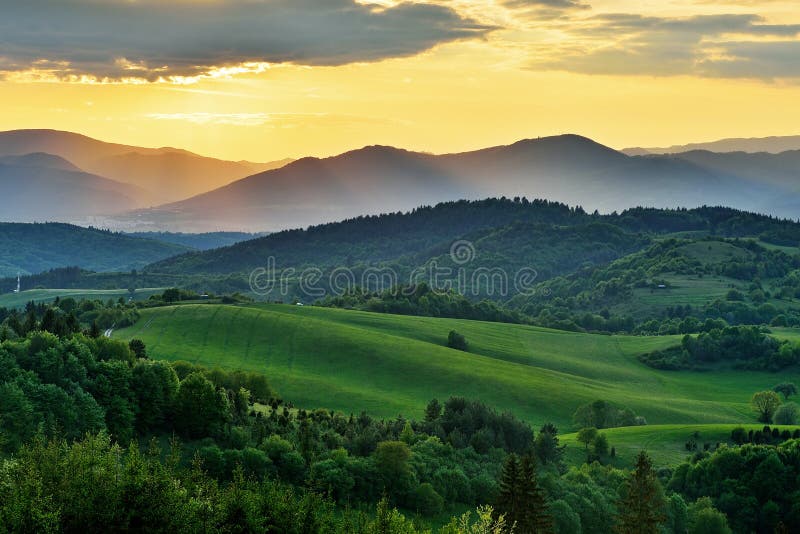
(544, 9)
(158, 40)
(729, 46)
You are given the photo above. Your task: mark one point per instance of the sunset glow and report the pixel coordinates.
(471, 74)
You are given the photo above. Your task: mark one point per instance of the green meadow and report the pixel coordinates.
(666, 444)
(17, 300)
(389, 364)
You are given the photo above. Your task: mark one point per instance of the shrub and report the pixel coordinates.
(457, 341)
(787, 414)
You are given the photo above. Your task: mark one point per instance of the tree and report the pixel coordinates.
(457, 341)
(486, 522)
(534, 517)
(547, 447)
(642, 506)
(787, 414)
(600, 445)
(508, 498)
(787, 389)
(200, 409)
(705, 519)
(30, 322)
(765, 403)
(137, 347)
(171, 295)
(407, 435)
(586, 436)
(427, 501)
(433, 411)
(391, 457)
(94, 330)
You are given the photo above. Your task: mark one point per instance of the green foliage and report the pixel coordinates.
(457, 341)
(753, 485)
(787, 414)
(200, 409)
(642, 508)
(138, 348)
(603, 414)
(744, 346)
(787, 389)
(765, 403)
(34, 248)
(705, 519)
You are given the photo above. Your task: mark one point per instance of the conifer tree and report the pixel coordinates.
(533, 513)
(30, 322)
(94, 330)
(508, 499)
(641, 508)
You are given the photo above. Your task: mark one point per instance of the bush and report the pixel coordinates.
(457, 341)
(427, 501)
(787, 414)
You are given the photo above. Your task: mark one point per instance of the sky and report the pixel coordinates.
(269, 79)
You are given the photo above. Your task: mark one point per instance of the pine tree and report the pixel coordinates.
(94, 330)
(508, 499)
(641, 509)
(533, 514)
(15, 324)
(30, 322)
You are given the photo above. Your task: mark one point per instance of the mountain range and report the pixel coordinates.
(567, 168)
(146, 189)
(161, 174)
(771, 145)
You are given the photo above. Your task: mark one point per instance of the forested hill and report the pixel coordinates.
(415, 237)
(33, 248)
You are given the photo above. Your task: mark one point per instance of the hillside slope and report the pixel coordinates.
(388, 364)
(33, 248)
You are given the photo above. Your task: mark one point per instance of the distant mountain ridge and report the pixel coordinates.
(43, 187)
(166, 174)
(375, 179)
(771, 145)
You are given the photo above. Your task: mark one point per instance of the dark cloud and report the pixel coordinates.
(708, 45)
(152, 38)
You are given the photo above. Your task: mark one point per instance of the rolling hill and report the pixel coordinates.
(389, 364)
(43, 187)
(167, 174)
(551, 238)
(33, 248)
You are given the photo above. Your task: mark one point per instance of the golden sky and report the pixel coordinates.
(436, 76)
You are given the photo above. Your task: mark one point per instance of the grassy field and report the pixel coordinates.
(666, 444)
(388, 364)
(17, 300)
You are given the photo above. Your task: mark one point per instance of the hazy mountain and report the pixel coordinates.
(377, 179)
(773, 145)
(782, 169)
(204, 241)
(167, 174)
(33, 248)
(42, 187)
